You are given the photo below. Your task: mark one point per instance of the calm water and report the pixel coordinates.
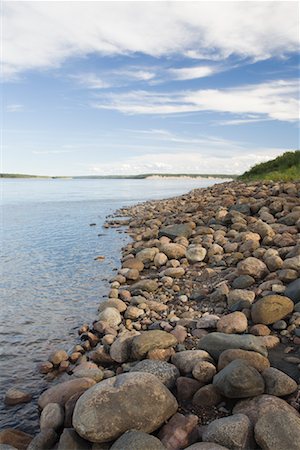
(50, 282)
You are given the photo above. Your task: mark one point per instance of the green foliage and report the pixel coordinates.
(283, 168)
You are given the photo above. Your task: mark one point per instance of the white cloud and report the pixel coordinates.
(276, 100)
(38, 35)
(190, 73)
(91, 81)
(14, 107)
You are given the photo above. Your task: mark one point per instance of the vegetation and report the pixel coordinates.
(283, 168)
(126, 177)
(19, 175)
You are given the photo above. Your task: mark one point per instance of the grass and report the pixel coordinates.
(283, 168)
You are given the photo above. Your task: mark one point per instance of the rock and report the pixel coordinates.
(88, 370)
(174, 272)
(160, 259)
(99, 356)
(243, 281)
(238, 295)
(132, 274)
(111, 316)
(253, 267)
(261, 405)
(179, 432)
(57, 357)
(150, 340)
(147, 255)
(204, 371)
(16, 396)
(15, 438)
(45, 367)
(269, 341)
(186, 388)
(69, 409)
(275, 430)
(260, 330)
(133, 263)
(145, 285)
(173, 251)
(207, 396)
(293, 291)
(180, 333)
(209, 321)
(7, 447)
(161, 354)
(234, 432)
(235, 322)
(137, 440)
(239, 380)
(206, 446)
(271, 308)
(274, 263)
(63, 391)
(44, 440)
(255, 359)
(174, 231)
(120, 349)
(69, 440)
(113, 303)
(52, 416)
(133, 313)
(165, 372)
(215, 343)
(263, 229)
(195, 253)
(109, 402)
(185, 361)
(278, 383)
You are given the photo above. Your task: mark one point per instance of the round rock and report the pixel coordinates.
(271, 308)
(167, 373)
(137, 440)
(150, 340)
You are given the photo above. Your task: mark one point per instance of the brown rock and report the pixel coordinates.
(204, 371)
(133, 263)
(253, 267)
(161, 354)
(150, 340)
(271, 308)
(15, 396)
(63, 391)
(186, 388)
(256, 360)
(179, 432)
(207, 396)
(278, 430)
(57, 357)
(15, 438)
(235, 322)
(260, 330)
(278, 383)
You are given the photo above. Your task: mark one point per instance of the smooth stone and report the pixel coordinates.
(293, 291)
(207, 396)
(243, 282)
(253, 267)
(240, 295)
(234, 432)
(215, 343)
(167, 373)
(150, 340)
(186, 388)
(120, 349)
(7, 447)
(206, 446)
(144, 285)
(173, 251)
(204, 371)
(255, 359)
(15, 438)
(235, 322)
(137, 440)
(70, 440)
(85, 371)
(58, 356)
(174, 231)
(179, 432)
(185, 361)
(63, 391)
(174, 272)
(160, 259)
(128, 401)
(44, 440)
(99, 356)
(271, 308)
(209, 321)
(277, 430)
(133, 263)
(195, 253)
(147, 254)
(52, 416)
(113, 303)
(278, 383)
(239, 380)
(15, 396)
(111, 315)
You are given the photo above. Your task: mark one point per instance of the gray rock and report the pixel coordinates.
(206, 446)
(144, 285)
(234, 432)
(125, 402)
(63, 391)
(278, 431)
(243, 281)
(293, 291)
(195, 253)
(150, 340)
(185, 361)
(111, 316)
(70, 440)
(43, 440)
(120, 349)
(278, 383)
(15, 396)
(52, 416)
(173, 251)
(165, 372)
(239, 380)
(137, 440)
(7, 447)
(215, 343)
(174, 231)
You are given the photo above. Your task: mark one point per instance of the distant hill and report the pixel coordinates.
(283, 168)
(19, 175)
(126, 177)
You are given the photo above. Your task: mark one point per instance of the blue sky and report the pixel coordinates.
(136, 87)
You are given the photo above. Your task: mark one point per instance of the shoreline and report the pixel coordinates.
(178, 282)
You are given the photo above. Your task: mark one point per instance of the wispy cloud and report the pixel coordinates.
(91, 81)
(37, 35)
(14, 107)
(276, 100)
(190, 73)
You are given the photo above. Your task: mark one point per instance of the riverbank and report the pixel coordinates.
(206, 305)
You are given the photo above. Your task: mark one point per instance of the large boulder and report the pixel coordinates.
(63, 391)
(293, 291)
(216, 343)
(271, 308)
(52, 416)
(129, 401)
(69, 440)
(239, 380)
(167, 373)
(137, 440)
(278, 430)
(150, 340)
(234, 432)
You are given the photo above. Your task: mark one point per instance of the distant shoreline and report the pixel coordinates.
(122, 177)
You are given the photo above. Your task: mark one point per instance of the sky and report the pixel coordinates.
(101, 88)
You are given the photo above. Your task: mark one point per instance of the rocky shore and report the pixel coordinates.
(197, 344)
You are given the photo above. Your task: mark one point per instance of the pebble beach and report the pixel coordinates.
(196, 345)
